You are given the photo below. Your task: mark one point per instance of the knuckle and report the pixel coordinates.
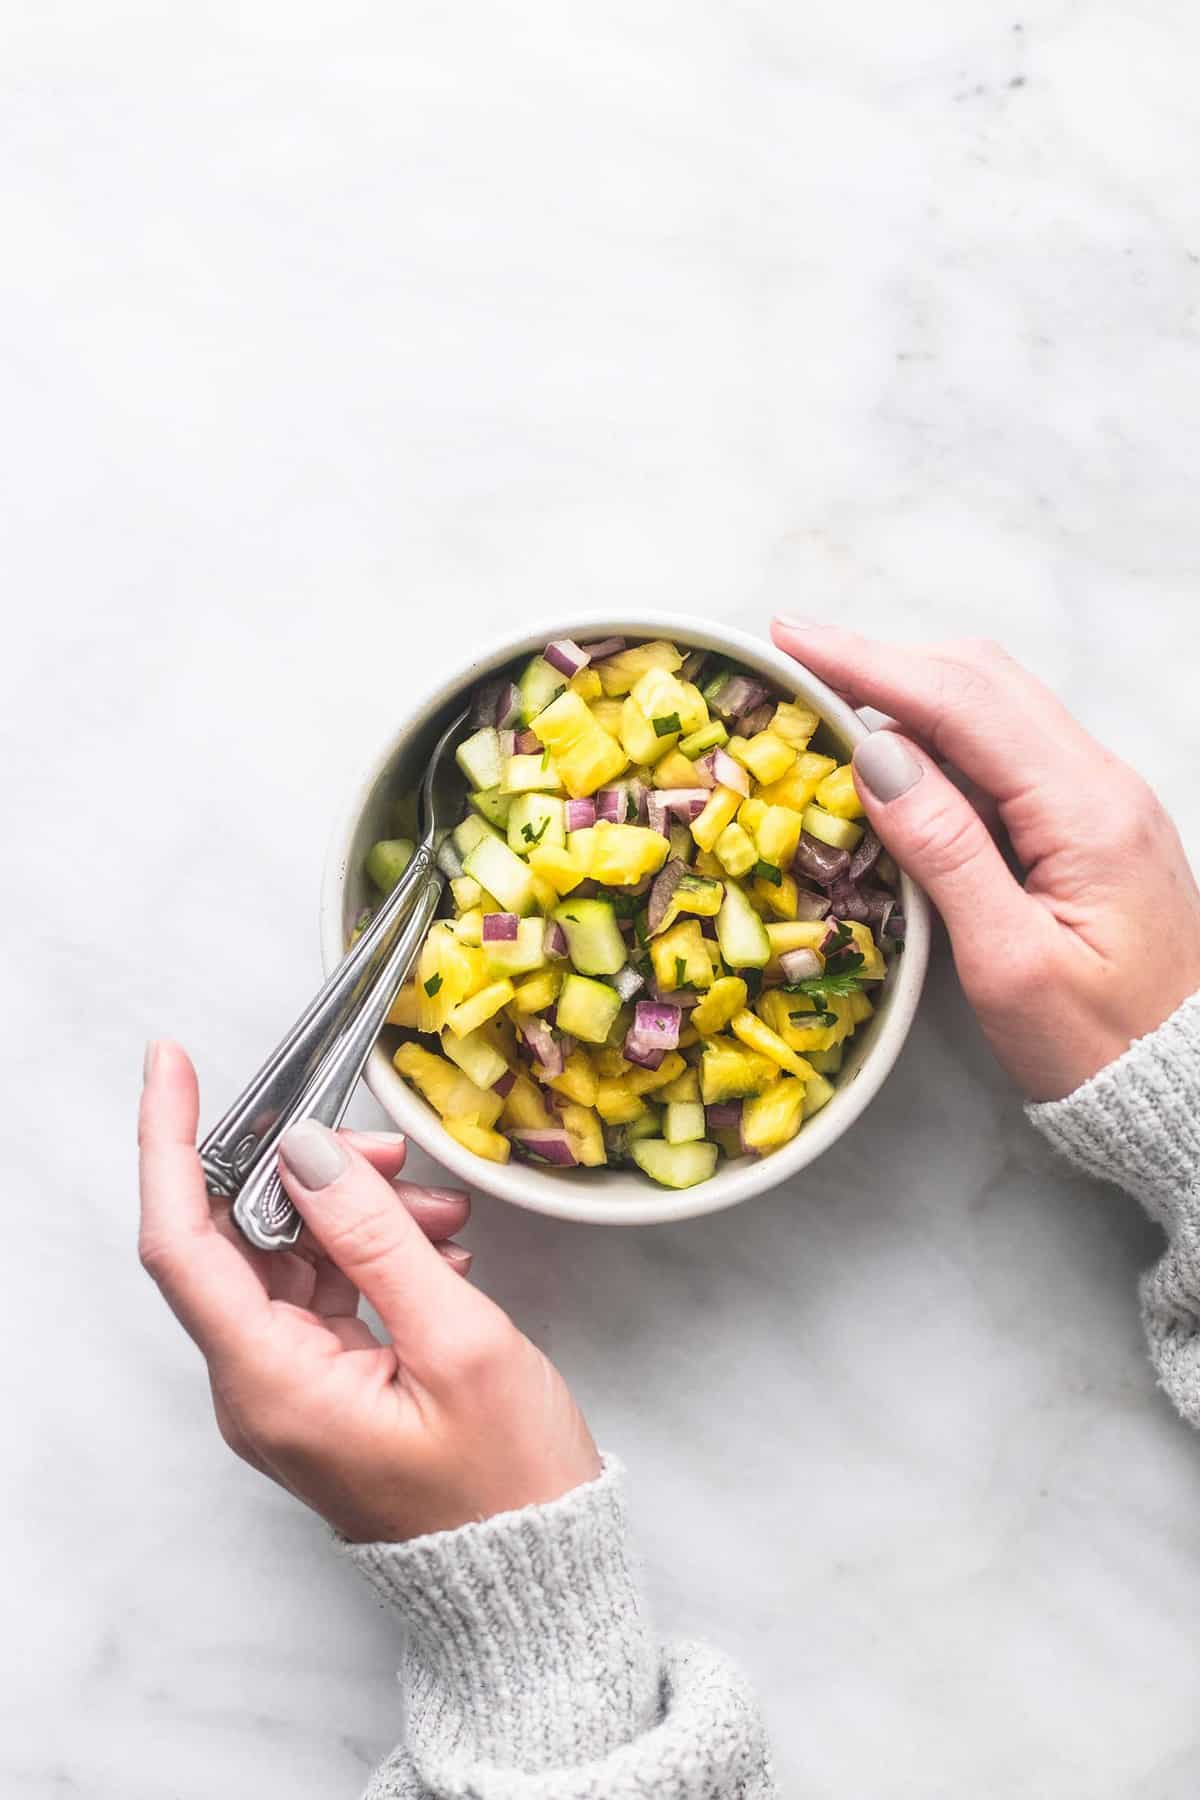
(365, 1241)
(156, 1258)
(946, 839)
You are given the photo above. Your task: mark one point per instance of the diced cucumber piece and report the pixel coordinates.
(709, 737)
(475, 1056)
(594, 941)
(479, 758)
(472, 831)
(387, 861)
(681, 842)
(494, 805)
(519, 955)
(675, 1165)
(843, 834)
(740, 932)
(531, 775)
(683, 1122)
(826, 1062)
(817, 1093)
(538, 686)
(586, 1009)
(536, 822)
(467, 893)
(492, 864)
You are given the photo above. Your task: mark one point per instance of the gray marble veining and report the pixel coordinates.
(325, 327)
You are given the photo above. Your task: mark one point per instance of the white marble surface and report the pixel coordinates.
(331, 334)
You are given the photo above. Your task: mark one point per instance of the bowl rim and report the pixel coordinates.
(588, 1203)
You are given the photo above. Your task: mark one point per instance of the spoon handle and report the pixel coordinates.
(231, 1148)
(262, 1208)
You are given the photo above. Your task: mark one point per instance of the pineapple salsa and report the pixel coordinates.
(664, 919)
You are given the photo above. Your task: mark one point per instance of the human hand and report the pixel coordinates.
(1102, 942)
(457, 1418)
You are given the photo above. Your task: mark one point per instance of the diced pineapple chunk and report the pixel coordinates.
(839, 832)
(797, 934)
(609, 1061)
(719, 812)
(577, 1081)
(751, 814)
(728, 1072)
(621, 855)
(767, 757)
(587, 685)
(778, 835)
(524, 1107)
(782, 899)
(557, 867)
(616, 1103)
(650, 1081)
(757, 1036)
(680, 957)
(794, 723)
(619, 673)
(774, 1117)
(839, 796)
(536, 992)
(639, 737)
(586, 1135)
(471, 1014)
(579, 849)
(585, 754)
(485, 1143)
(466, 893)
(684, 1087)
(874, 968)
(675, 771)
(798, 786)
(660, 697)
(707, 864)
(735, 850)
(723, 1000)
(607, 714)
(446, 1088)
(447, 972)
(404, 1010)
(469, 928)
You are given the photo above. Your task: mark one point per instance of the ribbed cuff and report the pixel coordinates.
(1138, 1121)
(528, 1646)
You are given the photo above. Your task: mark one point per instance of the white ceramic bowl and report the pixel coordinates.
(612, 1196)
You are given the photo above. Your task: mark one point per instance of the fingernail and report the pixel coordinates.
(387, 1138)
(792, 623)
(149, 1060)
(455, 1196)
(313, 1154)
(887, 766)
(456, 1255)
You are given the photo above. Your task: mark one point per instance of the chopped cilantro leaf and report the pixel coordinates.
(680, 971)
(768, 872)
(535, 837)
(631, 807)
(432, 985)
(809, 1019)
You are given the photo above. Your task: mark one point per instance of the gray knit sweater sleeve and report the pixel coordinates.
(531, 1672)
(1138, 1123)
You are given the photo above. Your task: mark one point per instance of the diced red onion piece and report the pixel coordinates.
(800, 965)
(545, 1046)
(702, 773)
(449, 861)
(527, 743)
(505, 1085)
(693, 662)
(486, 702)
(810, 905)
(751, 723)
(565, 655)
(611, 805)
(896, 926)
(606, 647)
(865, 856)
(727, 773)
(628, 982)
(634, 1050)
(738, 695)
(726, 1116)
(508, 743)
(657, 1022)
(581, 814)
(657, 816)
(508, 708)
(684, 998)
(665, 883)
(820, 862)
(552, 1146)
(683, 803)
(848, 901)
(499, 928)
(554, 943)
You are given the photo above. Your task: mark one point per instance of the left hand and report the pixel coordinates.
(457, 1418)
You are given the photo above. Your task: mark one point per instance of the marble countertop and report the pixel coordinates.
(335, 338)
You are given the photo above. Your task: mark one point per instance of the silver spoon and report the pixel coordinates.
(313, 1071)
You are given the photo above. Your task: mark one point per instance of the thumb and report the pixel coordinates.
(362, 1225)
(939, 839)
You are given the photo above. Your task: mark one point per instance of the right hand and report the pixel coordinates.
(456, 1418)
(1102, 941)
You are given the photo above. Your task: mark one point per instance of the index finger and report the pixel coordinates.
(972, 703)
(208, 1284)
